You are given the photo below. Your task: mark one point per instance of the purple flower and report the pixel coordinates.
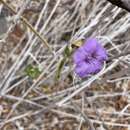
(89, 58)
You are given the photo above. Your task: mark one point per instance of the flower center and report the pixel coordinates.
(93, 55)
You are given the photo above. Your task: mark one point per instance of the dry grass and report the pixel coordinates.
(99, 102)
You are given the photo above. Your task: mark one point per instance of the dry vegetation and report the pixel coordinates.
(35, 33)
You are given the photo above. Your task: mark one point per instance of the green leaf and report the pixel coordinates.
(32, 71)
(67, 51)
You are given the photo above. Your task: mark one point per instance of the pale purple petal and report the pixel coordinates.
(79, 55)
(90, 45)
(96, 66)
(83, 69)
(101, 53)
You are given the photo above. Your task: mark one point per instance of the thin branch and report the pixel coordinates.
(124, 4)
(29, 25)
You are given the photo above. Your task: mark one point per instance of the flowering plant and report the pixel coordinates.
(89, 58)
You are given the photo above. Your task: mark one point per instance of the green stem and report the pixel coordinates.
(28, 25)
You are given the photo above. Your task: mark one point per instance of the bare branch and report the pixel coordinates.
(125, 4)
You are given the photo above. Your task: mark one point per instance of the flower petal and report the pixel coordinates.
(79, 55)
(93, 46)
(83, 69)
(101, 53)
(95, 66)
(90, 45)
